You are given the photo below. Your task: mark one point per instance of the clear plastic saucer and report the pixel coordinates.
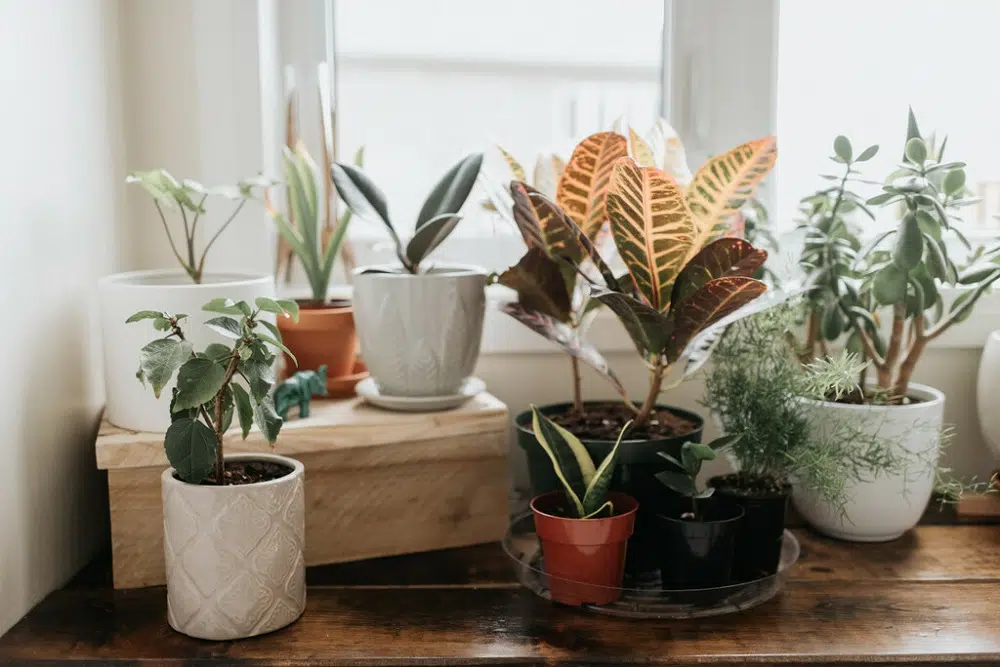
(645, 597)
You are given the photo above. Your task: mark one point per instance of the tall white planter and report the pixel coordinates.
(128, 404)
(234, 554)
(987, 392)
(884, 506)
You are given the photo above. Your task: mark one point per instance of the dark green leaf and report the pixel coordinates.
(363, 197)
(890, 285)
(244, 408)
(570, 460)
(929, 224)
(678, 481)
(226, 326)
(834, 323)
(259, 375)
(278, 344)
(976, 274)
(451, 191)
(429, 236)
(145, 315)
(218, 352)
(198, 380)
(647, 327)
(909, 243)
(160, 359)
(267, 419)
(842, 147)
(273, 329)
(291, 307)
(190, 448)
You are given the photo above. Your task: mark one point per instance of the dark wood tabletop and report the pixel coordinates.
(930, 597)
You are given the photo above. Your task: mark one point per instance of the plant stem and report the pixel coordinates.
(217, 422)
(204, 254)
(577, 393)
(194, 223)
(912, 356)
(170, 238)
(188, 237)
(812, 335)
(893, 350)
(654, 391)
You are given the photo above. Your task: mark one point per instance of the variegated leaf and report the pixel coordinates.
(542, 225)
(673, 157)
(652, 228)
(587, 247)
(540, 284)
(713, 301)
(724, 183)
(584, 181)
(515, 167)
(641, 151)
(648, 328)
(721, 258)
(563, 335)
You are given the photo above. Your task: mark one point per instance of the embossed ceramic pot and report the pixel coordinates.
(419, 334)
(234, 554)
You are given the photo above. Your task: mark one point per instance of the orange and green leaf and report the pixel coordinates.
(652, 228)
(515, 167)
(584, 181)
(542, 225)
(710, 303)
(641, 150)
(722, 258)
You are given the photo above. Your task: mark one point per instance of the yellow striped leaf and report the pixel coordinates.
(722, 258)
(515, 167)
(541, 224)
(710, 303)
(584, 181)
(723, 184)
(641, 151)
(652, 228)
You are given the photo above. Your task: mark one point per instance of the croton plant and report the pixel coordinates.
(684, 275)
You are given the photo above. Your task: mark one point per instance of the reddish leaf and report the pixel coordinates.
(542, 224)
(647, 327)
(722, 258)
(540, 284)
(710, 303)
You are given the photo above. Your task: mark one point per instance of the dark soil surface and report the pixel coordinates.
(745, 486)
(306, 304)
(858, 398)
(605, 421)
(237, 473)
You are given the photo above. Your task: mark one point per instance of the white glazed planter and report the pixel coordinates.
(129, 405)
(880, 507)
(987, 391)
(234, 554)
(420, 334)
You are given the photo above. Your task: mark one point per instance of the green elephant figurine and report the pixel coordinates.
(300, 388)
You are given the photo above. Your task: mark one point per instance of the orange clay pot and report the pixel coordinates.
(323, 335)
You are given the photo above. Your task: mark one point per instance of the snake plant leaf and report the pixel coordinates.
(428, 237)
(641, 150)
(584, 182)
(596, 496)
(190, 448)
(160, 359)
(652, 228)
(543, 225)
(540, 284)
(515, 167)
(723, 184)
(363, 197)
(451, 191)
(720, 258)
(570, 459)
(649, 329)
(707, 306)
(565, 337)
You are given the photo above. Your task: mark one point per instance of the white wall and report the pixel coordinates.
(60, 169)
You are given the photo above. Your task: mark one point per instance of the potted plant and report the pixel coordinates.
(671, 298)
(180, 290)
(697, 539)
(420, 326)
(233, 525)
(901, 272)
(755, 388)
(324, 333)
(583, 528)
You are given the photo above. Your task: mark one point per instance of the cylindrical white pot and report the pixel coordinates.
(420, 334)
(884, 506)
(987, 391)
(234, 554)
(128, 404)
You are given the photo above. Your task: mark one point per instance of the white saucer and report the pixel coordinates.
(368, 390)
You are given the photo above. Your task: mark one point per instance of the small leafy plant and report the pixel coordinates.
(215, 383)
(585, 485)
(684, 479)
(189, 197)
(437, 218)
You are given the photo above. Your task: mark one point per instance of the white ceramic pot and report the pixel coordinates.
(234, 554)
(884, 506)
(420, 334)
(128, 404)
(987, 391)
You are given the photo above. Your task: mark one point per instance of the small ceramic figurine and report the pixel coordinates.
(300, 388)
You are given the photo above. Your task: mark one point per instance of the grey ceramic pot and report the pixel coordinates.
(419, 334)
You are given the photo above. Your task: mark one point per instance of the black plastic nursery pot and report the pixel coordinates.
(758, 542)
(635, 476)
(699, 553)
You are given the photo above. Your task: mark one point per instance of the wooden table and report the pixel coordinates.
(931, 597)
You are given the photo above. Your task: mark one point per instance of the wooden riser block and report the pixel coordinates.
(981, 507)
(402, 489)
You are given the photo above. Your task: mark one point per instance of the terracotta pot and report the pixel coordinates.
(584, 558)
(323, 335)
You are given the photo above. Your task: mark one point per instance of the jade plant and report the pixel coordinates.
(438, 215)
(189, 199)
(683, 480)
(216, 383)
(585, 485)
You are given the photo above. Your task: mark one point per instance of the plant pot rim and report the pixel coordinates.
(740, 513)
(929, 396)
(437, 272)
(785, 492)
(611, 496)
(167, 477)
(223, 279)
(524, 425)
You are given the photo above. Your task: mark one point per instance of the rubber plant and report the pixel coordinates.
(215, 383)
(906, 276)
(437, 217)
(189, 198)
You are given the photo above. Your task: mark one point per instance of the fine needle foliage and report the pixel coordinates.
(585, 485)
(215, 383)
(755, 387)
(437, 218)
(189, 198)
(683, 480)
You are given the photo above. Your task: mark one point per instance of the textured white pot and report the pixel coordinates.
(420, 334)
(235, 565)
(880, 507)
(987, 391)
(129, 405)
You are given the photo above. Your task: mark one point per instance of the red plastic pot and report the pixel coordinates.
(584, 558)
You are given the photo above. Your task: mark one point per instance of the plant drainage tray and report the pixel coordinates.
(644, 597)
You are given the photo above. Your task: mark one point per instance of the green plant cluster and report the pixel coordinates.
(215, 384)
(683, 480)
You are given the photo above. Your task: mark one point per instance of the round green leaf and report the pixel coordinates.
(889, 286)
(868, 153)
(833, 323)
(916, 150)
(842, 147)
(198, 381)
(954, 181)
(909, 243)
(190, 448)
